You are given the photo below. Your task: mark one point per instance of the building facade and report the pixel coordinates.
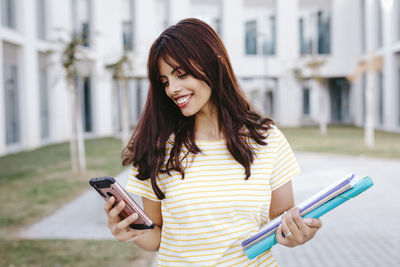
(293, 59)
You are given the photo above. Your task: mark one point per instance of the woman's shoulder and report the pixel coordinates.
(272, 132)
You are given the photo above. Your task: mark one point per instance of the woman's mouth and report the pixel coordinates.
(183, 101)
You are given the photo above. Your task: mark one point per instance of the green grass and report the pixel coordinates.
(35, 183)
(67, 253)
(343, 140)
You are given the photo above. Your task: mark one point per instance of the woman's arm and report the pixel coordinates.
(293, 230)
(151, 240)
(146, 239)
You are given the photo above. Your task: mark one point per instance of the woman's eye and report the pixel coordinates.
(165, 84)
(182, 75)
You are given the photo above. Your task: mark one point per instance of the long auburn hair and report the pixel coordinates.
(196, 48)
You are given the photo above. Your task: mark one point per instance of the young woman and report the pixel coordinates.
(209, 168)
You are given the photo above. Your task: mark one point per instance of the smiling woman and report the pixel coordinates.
(209, 168)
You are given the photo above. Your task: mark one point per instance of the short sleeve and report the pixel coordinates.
(139, 187)
(285, 166)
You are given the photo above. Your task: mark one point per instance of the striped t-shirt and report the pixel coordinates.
(209, 213)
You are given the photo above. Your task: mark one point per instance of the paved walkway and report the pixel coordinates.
(362, 232)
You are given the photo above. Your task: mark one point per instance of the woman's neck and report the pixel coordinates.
(207, 126)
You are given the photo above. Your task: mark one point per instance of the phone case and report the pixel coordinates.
(108, 187)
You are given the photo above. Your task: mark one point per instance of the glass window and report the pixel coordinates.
(86, 101)
(269, 40)
(81, 20)
(44, 98)
(380, 98)
(324, 32)
(11, 103)
(127, 26)
(269, 103)
(127, 35)
(398, 92)
(363, 38)
(41, 19)
(306, 35)
(379, 18)
(11, 93)
(315, 31)
(251, 38)
(8, 14)
(363, 96)
(161, 15)
(398, 19)
(306, 101)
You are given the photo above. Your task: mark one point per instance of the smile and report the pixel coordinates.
(183, 101)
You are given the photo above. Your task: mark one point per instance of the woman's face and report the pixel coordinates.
(191, 95)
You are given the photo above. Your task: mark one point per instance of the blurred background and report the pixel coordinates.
(73, 85)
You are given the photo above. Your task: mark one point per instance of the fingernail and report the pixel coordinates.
(308, 221)
(112, 198)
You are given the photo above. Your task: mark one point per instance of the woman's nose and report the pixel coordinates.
(174, 87)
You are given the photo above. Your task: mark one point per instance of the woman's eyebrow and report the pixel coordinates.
(172, 72)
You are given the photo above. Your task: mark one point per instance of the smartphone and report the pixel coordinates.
(108, 187)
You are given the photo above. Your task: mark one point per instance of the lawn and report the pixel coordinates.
(343, 140)
(34, 184)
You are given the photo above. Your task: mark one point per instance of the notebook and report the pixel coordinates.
(318, 204)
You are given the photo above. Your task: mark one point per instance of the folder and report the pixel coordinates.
(316, 206)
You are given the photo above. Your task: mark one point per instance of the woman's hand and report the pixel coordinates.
(294, 230)
(120, 229)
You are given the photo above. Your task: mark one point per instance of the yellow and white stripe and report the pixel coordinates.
(208, 214)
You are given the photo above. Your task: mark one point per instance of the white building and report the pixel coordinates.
(270, 43)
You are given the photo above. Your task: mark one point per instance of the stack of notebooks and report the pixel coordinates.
(314, 207)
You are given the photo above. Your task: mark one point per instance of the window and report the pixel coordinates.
(324, 32)
(398, 92)
(11, 93)
(379, 17)
(127, 26)
(251, 38)
(8, 14)
(306, 101)
(161, 15)
(380, 98)
(398, 88)
(41, 19)
(363, 96)
(127, 35)
(269, 39)
(315, 31)
(81, 20)
(398, 19)
(86, 101)
(269, 103)
(363, 24)
(44, 98)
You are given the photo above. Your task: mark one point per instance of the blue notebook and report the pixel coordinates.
(264, 244)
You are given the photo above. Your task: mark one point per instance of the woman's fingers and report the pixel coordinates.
(280, 238)
(126, 222)
(114, 212)
(294, 230)
(313, 222)
(108, 204)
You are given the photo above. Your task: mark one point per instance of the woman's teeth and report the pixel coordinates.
(183, 99)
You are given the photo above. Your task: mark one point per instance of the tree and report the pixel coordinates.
(122, 72)
(74, 63)
(314, 66)
(370, 66)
